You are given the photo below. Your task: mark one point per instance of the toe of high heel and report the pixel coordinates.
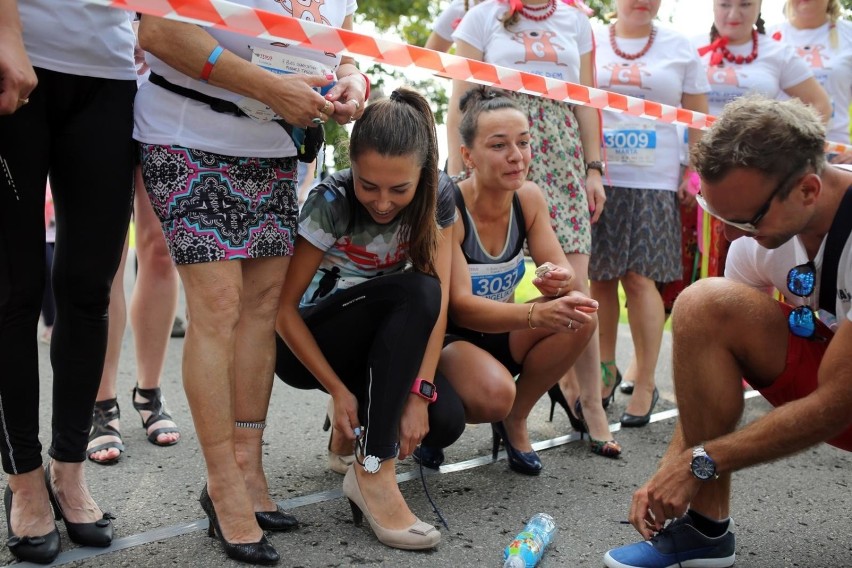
(278, 520)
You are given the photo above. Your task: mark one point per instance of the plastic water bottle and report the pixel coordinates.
(528, 547)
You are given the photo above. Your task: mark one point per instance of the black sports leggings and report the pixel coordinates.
(79, 130)
(374, 336)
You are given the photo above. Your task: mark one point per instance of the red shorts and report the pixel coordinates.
(799, 378)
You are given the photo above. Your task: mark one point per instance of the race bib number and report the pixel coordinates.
(279, 63)
(497, 281)
(631, 144)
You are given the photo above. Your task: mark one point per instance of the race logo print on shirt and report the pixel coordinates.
(723, 76)
(626, 74)
(538, 47)
(813, 55)
(305, 10)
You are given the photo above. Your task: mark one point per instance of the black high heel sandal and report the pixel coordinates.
(98, 533)
(156, 405)
(527, 463)
(558, 397)
(39, 549)
(105, 411)
(607, 377)
(260, 552)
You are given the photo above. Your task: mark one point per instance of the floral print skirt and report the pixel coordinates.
(559, 169)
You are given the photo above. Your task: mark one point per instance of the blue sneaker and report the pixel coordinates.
(429, 457)
(679, 545)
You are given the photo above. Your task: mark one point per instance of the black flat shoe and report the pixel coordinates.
(260, 552)
(99, 533)
(633, 421)
(428, 457)
(38, 549)
(279, 520)
(527, 463)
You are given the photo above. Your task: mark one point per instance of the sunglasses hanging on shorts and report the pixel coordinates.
(800, 282)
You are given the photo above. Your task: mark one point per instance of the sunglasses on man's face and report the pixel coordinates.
(800, 282)
(750, 225)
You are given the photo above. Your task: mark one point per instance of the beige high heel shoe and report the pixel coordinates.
(418, 536)
(336, 462)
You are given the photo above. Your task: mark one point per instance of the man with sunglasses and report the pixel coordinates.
(764, 175)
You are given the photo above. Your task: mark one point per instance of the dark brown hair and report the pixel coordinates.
(403, 125)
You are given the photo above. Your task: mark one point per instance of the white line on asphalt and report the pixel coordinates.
(85, 553)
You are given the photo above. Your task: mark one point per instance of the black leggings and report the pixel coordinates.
(79, 130)
(374, 336)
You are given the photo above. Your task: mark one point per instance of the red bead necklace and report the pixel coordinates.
(740, 59)
(631, 56)
(539, 13)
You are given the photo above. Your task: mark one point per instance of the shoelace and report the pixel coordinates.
(673, 539)
(429, 497)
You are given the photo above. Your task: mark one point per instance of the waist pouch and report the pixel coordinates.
(308, 141)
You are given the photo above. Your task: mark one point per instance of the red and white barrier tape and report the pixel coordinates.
(253, 22)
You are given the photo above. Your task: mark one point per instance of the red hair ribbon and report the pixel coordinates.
(514, 5)
(716, 48)
(579, 4)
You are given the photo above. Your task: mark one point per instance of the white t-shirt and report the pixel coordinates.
(166, 118)
(831, 66)
(447, 21)
(644, 153)
(550, 48)
(759, 267)
(776, 68)
(78, 38)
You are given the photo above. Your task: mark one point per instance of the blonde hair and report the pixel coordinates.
(833, 11)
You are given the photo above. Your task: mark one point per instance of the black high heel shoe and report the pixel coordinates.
(260, 552)
(38, 549)
(634, 421)
(527, 463)
(607, 377)
(98, 533)
(558, 397)
(277, 520)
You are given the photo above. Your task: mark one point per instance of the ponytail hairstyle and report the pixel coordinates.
(403, 125)
(833, 12)
(476, 101)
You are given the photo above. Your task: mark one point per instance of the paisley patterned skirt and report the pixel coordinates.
(559, 169)
(639, 230)
(215, 207)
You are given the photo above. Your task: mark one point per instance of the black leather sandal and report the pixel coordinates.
(105, 412)
(156, 405)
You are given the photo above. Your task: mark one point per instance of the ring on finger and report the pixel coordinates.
(327, 107)
(26, 100)
(357, 104)
(570, 323)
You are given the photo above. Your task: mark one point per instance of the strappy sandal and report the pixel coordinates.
(105, 412)
(156, 405)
